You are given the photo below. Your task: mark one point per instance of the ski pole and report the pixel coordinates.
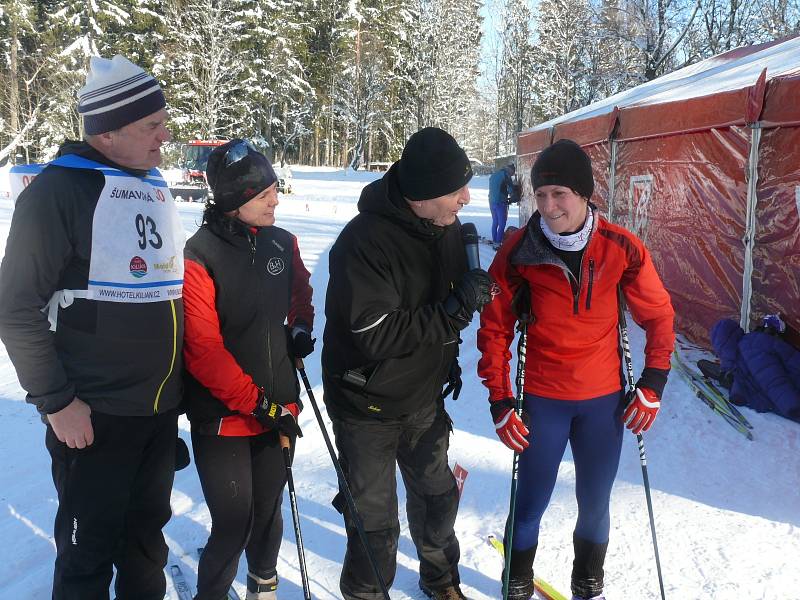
(298, 536)
(626, 352)
(522, 347)
(351, 504)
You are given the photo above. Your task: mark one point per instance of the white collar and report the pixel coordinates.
(572, 242)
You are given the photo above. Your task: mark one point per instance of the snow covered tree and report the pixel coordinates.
(657, 28)
(615, 61)
(204, 66)
(17, 24)
(778, 18)
(561, 62)
(275, 82)
(515, 89)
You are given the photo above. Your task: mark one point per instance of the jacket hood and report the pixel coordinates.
(86, 150)
(383, 197)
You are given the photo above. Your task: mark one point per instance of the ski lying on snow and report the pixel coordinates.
(713, 398)
(731, 406)
(543, 589)
(179, 582)
(711, 390)
(232, 595)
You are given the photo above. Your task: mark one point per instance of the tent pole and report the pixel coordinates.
(750, 226)
(612, 180)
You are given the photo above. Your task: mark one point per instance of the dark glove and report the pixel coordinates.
(182, 459)
(471, 294)
(277, 416)
(453, 381)
(302, 343)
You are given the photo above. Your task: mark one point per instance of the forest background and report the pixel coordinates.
(345, 82)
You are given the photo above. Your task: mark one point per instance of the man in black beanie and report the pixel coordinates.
(399, 293)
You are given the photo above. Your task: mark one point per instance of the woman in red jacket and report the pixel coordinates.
(244, 279)
(569, 261)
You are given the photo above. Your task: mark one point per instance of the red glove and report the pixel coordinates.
(509, 427)
(641, 410)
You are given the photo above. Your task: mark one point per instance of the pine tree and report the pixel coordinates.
(561, 62)
(515, 91)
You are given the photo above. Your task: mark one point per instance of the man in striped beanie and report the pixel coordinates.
(91, 313)
(124, 114)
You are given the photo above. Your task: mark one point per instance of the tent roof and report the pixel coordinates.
(732, 71)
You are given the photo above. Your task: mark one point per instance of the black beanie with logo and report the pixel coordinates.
(237, 172)
(564, 163)
(432, 165)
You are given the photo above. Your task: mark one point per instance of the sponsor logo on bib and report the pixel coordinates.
(275, 266)
(168, 267)
(138, 267)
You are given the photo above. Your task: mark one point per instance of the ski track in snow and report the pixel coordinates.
(727, 511)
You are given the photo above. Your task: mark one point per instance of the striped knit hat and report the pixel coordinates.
(117, 92)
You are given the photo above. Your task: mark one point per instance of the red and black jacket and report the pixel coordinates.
(241, 286)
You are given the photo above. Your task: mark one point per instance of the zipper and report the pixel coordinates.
(269, 360)
(174, 354)
(252, 241)
(576, 291)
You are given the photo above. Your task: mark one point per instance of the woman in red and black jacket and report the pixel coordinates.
(570, 262)
(244, 279)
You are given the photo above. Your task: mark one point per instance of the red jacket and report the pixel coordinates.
(222, 367)
(573, 345)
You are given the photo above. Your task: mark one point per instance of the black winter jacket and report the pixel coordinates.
(252, 300)
(120, 358)
(385, 322)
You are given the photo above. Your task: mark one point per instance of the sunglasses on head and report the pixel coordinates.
(237, 152)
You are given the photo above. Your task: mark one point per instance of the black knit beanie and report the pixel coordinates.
(564, 163)
(237, 172)
(432, 165)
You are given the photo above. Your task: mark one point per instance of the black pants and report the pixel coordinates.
(243, 480)
(369, 450)
(113, 500)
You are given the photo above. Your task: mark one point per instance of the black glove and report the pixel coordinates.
(453, 381)
(182, 459)
(276, 416)
(471, 294)
(302, 344)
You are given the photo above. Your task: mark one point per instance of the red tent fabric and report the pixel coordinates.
(704, 165)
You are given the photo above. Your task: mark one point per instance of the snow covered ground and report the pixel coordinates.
(727, 510)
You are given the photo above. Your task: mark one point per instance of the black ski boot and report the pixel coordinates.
(713, 370)
(520, 581)
(587, 568)
(451, 592)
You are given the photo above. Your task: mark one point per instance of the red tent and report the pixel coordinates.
(704, 165)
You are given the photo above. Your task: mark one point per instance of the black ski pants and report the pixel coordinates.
(369, 450)
(113, 500)
(243, 480)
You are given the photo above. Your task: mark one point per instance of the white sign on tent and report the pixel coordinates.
(797, 199)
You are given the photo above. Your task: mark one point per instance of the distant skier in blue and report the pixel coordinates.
(501, 190)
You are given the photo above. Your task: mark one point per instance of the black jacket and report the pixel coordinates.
(389, 274)
(121, 359)
(252, 274)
